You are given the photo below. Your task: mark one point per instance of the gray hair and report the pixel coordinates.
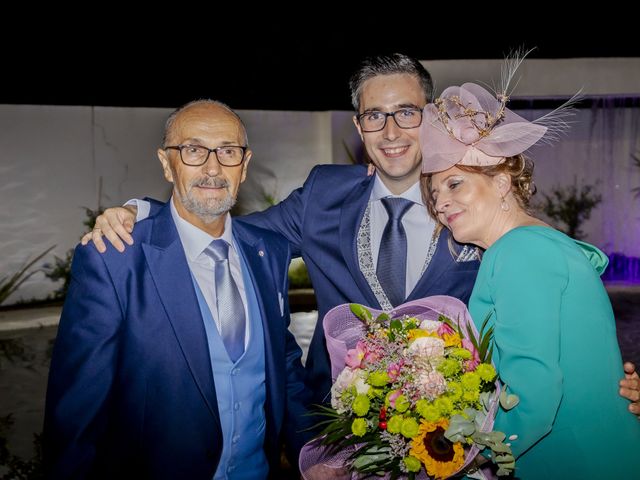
(168, 126)
(389, 65)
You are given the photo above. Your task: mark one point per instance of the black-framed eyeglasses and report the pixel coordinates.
(196, 155)
(374, 121)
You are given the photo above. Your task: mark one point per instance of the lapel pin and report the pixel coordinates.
(261, 253)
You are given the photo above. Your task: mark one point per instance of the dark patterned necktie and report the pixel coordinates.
(228, 301)
(392, 257)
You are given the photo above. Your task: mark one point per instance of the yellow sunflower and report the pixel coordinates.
(440, 457)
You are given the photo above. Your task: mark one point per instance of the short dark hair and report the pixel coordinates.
(389, 65)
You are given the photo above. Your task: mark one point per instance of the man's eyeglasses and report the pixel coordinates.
(196, 155)
(375, 121)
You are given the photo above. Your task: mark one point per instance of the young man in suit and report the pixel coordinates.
(364, 239)
(173, 360)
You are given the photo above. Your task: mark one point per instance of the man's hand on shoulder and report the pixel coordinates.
(630, 387)
(115, 223)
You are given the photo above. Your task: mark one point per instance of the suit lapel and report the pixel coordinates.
(350, 219)
(171, 275)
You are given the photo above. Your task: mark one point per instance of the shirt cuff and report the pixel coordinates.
(143, 207)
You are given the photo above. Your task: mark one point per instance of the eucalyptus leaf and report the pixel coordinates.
(508, 401)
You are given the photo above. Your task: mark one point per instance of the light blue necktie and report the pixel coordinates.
(228, 301)
(392, 257)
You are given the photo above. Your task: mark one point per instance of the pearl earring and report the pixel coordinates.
(504, 205)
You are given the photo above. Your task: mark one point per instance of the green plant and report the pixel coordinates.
(61, 268)
(16, 467)
(10, 283)
(571, 205)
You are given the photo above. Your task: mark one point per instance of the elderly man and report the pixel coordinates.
(174, 359)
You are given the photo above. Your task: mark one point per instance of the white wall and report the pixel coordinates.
(545, 77)
(52, 159)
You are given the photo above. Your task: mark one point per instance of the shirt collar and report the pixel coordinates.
(380, 191)
(195, 240)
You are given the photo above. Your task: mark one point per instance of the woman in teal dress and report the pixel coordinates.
(555, 343)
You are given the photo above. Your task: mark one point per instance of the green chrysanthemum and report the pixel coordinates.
(378, 379)
(443, 405)
(359, 427)
(449, 367)
(412, 463)
(470, 381)
(394, 424)
(471, 396)
(402, 404)
(427, 411)
(455, 391)
(409, 428)
(461, 353)
(486, 372)
(361, 405)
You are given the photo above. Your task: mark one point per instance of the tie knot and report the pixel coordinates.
(396, 207)
(218, 250)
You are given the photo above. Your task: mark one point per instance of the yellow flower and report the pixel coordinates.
(416, 333)
(452, 340)
(440, 457)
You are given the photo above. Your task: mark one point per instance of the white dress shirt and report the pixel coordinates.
(194, 242)
(418, 226)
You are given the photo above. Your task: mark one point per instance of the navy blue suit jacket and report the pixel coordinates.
(321, 220)
(131, 391)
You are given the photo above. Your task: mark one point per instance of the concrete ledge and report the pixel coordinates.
(29, 318)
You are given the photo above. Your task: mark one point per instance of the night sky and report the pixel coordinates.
(286, 65)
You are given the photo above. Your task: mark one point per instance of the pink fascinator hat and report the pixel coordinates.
(468, 125)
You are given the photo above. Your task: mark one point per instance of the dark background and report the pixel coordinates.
(114, 59)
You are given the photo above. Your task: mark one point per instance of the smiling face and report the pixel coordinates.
(393, 150)
(204, 194)
(469, 204)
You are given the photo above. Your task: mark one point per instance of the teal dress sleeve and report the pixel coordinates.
(526, 288)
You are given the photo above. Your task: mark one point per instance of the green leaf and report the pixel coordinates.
(361, 312)
(395, 325)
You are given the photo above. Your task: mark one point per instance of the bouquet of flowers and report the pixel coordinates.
(414, 393)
